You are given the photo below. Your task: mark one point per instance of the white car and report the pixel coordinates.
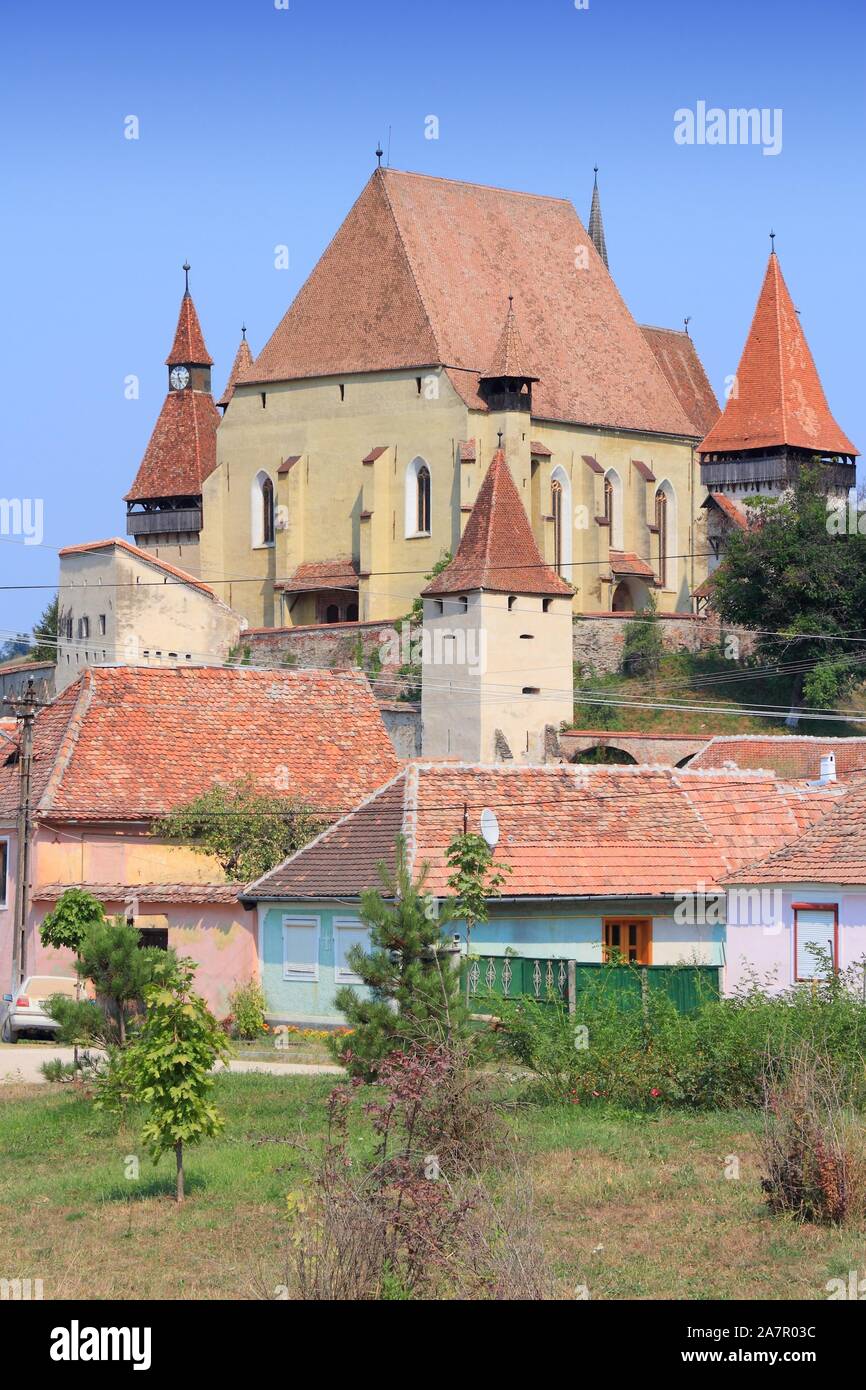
(22, 1011)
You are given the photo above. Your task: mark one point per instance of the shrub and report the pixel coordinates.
(812, 1167)
(247, 1004)
(643, 648)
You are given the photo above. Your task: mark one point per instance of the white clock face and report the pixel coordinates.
(179, 378)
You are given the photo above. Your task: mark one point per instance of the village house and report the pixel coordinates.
(599, 859)
(122, 747)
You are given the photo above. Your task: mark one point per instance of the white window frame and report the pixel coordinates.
(292, 970)
(413, 468)
(616, 540)
(560, 476)
(257, 516)
(4, 879)
(343, 975)
(669, 578)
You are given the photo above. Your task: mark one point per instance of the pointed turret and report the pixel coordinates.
(165, 500)
(243, 360)
(498, 551)
(507, 382)
(596, 226)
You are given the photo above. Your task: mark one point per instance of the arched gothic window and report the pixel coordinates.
(423, 486)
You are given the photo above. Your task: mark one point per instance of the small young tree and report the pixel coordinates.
(643, 647)
(168, 1065)
(65, 926)
(118, 968)
(415, 990)
(248, 832)
(475, 877)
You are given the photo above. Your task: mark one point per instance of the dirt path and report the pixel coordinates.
(19, 1064)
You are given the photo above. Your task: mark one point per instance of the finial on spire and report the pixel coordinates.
(772, 242)
(379, 153)
(244, 332)
(499, 437)
(186, 269)
(686, 322)
(595, 172)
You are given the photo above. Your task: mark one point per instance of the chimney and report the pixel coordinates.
(828, 768)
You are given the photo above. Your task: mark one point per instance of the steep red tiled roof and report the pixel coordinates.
(182, 448)
(624, 562)
(417, 274)
(833, 851)
(541, 450)
(684, 372)
(509, 357)
(732, 509)
(132, 743)
(790, 755)
(498, 550)
(188, 348)
(162, 565)
(779, 398)
(321, 574)
(564, 831)
(243, 360)
(145, 892)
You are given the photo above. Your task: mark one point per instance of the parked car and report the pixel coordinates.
(24, 1010)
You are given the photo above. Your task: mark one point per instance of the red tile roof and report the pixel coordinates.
(789, 755)
(182, 448)
(536, 447)
(132, 743)
(509, 356)
(732, 509)
(417, 275)
(467, 451)
(592, 464)
(564, 831)
(162, 565)
(375, 453)
(644, 470)
(498, 551)
(684, 372)
(779, 398)
(624, 562)
(243, 360)
(321, 574)
(188, 348)
(832, 851)
(145, 892)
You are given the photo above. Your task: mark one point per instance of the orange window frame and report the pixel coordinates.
(635, 934)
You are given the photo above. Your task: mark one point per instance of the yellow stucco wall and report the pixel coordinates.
(330, 505)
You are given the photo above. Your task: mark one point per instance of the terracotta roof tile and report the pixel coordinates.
(832, 851)
(145, 892)
(509, 356)
(624, 562)
(182, 449)
(541, 450)
(243, 360)
(564, 831)
(790, 755)
(644, 470)
(779, 398)
(677, 356)
(498, 551)
(467, 451)
(732, 509)
(321, 574)
(132, 743)
(375, 453)
(287, 465)
(416, 276)
(592, 464)
(188, 348)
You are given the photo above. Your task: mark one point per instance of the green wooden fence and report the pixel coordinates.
(546, 980)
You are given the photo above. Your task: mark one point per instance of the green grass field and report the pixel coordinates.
(630, 1206)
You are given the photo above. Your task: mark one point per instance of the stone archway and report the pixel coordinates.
(622, 600)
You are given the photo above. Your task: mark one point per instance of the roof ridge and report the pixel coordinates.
(470, 183)
(69, 741)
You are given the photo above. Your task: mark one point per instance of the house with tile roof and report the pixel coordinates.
(776, 418)
(121, 604)
(442, 317)
(120, 748)
(599, 859)
(807, 894)
(164, 503)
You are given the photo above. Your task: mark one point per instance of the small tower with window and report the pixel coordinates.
(497, 672)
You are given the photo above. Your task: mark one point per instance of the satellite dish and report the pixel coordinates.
(490, 827)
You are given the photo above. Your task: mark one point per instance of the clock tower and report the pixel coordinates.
(164, 504)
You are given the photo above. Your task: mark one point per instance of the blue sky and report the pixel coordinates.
(258, 126)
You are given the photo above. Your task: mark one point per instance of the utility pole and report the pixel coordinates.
(24, 708)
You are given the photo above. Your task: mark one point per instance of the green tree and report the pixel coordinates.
(64, 927)
(45, 632)
(119, 969)
(475, 877)
(248, 832)
(799, 577)
(643, 647)
(168, 1066)
(414, 987)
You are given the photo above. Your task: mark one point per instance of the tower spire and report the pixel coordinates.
(596, 226)
(186, 269)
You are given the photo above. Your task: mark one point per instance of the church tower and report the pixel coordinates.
(497, 673)
(164, 504)
(596, 226)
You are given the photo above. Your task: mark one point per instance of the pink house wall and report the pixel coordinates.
(759, 938)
